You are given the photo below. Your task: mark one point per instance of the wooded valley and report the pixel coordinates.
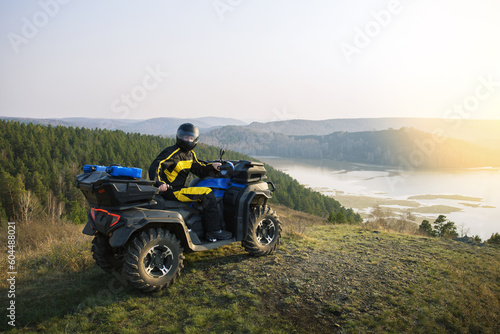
(39, 163)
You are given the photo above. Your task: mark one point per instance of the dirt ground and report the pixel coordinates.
(335, 277)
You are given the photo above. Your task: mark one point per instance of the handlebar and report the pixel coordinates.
(226, 168)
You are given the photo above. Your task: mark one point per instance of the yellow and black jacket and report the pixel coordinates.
(172, 166)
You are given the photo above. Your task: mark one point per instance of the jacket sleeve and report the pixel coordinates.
(201, 169)
(155, 170)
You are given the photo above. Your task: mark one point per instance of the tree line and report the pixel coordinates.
(405, 222)
(407, 148)
(39, 163)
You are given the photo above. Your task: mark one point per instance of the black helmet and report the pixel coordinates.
(187, 130)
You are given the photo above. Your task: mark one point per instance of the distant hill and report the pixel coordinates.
(481, 132)
(168, 126)
(408, 148)
(164, 126)
(291, 135)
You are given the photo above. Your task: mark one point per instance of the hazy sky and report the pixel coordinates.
(250, 59)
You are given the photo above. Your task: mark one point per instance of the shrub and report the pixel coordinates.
(476, 238)
(494, 240)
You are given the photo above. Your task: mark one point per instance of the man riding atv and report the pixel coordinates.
(170, 170)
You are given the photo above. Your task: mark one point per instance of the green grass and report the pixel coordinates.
(324, 279)
(421, 284)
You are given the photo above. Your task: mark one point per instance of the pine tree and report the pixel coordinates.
(426, 228)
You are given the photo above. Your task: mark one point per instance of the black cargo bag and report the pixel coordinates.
(248, 171)
(102, 189)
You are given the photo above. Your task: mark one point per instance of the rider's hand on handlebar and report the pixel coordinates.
(216, 165)
(163, 187)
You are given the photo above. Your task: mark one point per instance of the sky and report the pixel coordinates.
(250, 60)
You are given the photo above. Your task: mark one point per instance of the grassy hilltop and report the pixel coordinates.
(324, 278)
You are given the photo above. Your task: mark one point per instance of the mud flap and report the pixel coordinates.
(88, 230)
(121, 236)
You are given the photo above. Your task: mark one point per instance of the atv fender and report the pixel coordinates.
(238, 202)
(257, 194)
(168, 219)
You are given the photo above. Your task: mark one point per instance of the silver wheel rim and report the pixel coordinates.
(158, 261)
(265, 232)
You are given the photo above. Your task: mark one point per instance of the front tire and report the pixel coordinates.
(153, 260)
(264, 231)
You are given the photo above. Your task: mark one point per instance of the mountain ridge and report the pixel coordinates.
(481, 132)
(405, 147)
(160, 126)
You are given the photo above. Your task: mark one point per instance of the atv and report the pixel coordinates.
(138, 232)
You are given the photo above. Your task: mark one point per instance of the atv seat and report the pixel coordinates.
(174, 204)
(163, 204)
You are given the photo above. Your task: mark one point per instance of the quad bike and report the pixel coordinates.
(138, 232)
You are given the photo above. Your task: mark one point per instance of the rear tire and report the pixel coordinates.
(153, 260)
(264, 231)
(105, 256)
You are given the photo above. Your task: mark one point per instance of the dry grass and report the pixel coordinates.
(392, 225)
(41, 246)
(295, 223)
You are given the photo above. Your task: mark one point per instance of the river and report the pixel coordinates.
(468, 197)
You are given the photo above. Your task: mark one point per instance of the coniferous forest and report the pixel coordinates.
(39, 163)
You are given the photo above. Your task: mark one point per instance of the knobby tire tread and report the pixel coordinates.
(250, 243)
(131, 269)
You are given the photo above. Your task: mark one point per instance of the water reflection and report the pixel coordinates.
(469, 197)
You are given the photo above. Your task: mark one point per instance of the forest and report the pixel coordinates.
(406, 148)
(39, 163)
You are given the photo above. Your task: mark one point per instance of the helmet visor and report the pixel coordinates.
(188, 136)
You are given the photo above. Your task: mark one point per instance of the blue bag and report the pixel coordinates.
(115, 170)
(125, 171)
(94, 168)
